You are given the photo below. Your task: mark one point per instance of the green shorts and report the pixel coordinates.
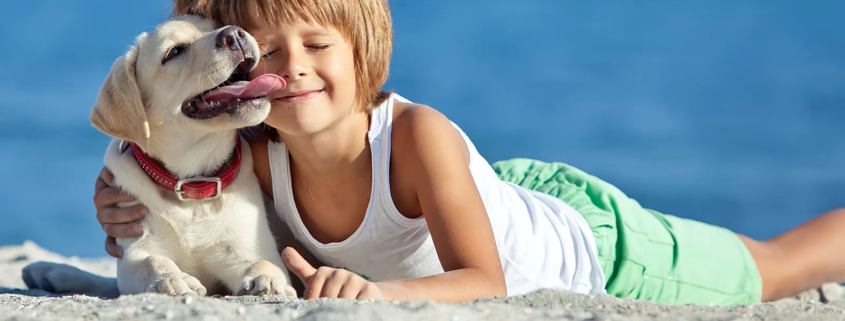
(645, 254)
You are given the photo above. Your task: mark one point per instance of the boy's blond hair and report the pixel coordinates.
(366, 24)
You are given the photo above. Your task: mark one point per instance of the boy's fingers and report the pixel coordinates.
(335, 283)
(121, 215)
(105, 179)
(298, 265)
(113, 249)
(125, 230)
(109, 196)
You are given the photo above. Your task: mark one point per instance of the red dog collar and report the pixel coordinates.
(197, 188)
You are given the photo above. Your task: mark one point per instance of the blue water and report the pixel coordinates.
(728, 112)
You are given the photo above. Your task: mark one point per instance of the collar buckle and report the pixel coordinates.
(217, 190)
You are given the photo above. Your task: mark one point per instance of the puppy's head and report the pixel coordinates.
(187, 75)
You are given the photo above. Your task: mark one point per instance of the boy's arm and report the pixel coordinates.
(430, 154)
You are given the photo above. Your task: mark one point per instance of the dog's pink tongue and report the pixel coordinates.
(258, 87)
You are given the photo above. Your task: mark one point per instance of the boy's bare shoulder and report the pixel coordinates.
(412, 122)
(425, 147)
(410, 116)
(419, 128)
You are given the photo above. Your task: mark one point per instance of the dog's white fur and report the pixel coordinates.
(195, 246)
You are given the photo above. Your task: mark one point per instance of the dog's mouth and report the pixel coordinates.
(230, 94)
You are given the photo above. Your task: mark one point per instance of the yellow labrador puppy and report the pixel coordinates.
(174, 104)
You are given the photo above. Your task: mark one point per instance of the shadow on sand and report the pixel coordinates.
(50, 279)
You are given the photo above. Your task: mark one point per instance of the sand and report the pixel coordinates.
(17, 303)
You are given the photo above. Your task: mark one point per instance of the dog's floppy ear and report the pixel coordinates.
(119, 111)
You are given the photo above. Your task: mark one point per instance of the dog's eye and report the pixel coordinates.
(173, 52)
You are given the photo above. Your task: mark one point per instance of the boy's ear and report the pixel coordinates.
(119, 111)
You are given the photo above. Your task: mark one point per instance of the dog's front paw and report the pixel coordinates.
(176, 284)
(265, 285)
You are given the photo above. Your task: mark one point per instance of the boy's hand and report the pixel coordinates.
(117, 222)
(327, 282)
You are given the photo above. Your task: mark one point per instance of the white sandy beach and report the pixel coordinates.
(17, 303)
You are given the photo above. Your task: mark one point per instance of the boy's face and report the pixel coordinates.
(318, 65)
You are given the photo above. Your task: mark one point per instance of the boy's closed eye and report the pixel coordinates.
(317, 47)
(311, 47)
(267, 55)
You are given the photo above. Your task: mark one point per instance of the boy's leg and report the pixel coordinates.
(646, 254)
(802, 258)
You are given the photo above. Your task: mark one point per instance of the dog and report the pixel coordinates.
(173, 105)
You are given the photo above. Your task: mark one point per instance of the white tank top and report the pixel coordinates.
(542, 241)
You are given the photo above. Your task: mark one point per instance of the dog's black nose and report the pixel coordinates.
(231, 37)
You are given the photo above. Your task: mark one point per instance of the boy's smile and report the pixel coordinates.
(299, 96)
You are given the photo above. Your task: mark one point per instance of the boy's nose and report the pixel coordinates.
(231, 37)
